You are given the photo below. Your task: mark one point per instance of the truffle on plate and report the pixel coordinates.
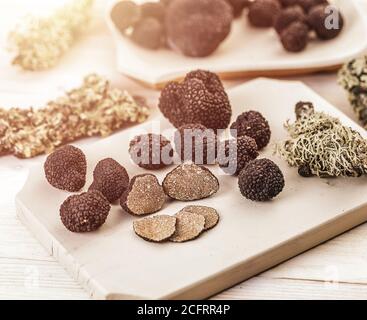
(200, 98)
(148, 33)
(155, 229)
(261, 180)
(155, 10)
(210, 214)
(125, 14)
(197, 27)
(85, 212)
(66, 168)
(287, 16)
(238, 6)
(188, 227)
(110, 178)
(262, 13)
(294, 38)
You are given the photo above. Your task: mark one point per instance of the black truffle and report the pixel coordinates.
(196, 143)
(197, 27)
(66, 168)
(294, 38)
(303, 108)
(261, 180)
(318, 20)
(254, 125)
(200, 98)
(85, 212)
(262, 13)
(151, 151)
(110, 178)
(148, 33)
(238, 6)
(155, 10)
(288, 16)
(125, 14)
(237, 153)
(305, 171)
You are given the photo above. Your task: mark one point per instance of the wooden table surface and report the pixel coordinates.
(334, 270)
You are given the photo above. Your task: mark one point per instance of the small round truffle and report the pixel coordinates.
(148, 33)
(85, 212)
(151, 151)
(304, 108)
(294, 38)
(238, 6)
(66, 168)
(261, 180)
(200, 98)
(326, 25)
(197, 27)
(254, 125)
(262, 13)
(125, 14)
(155, 10)
(237, 153)
(305, 171)
(110, 178)
(288, 16)
(196, 143)
(304, 4)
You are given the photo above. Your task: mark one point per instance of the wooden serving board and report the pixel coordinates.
(113, 263)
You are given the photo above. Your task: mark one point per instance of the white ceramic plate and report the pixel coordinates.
(114, 263)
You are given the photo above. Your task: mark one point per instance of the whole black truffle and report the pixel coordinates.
(238, 6)
(237, 153)
(254, 125)
(261, 180)
(288, 16)
(155, 10)
(294, 38)
(151, 151)
(66, 168)
(148, 33)
(84, 212)
(197, 27)
(200, 98)
(305, 171)
(262, 13)
(110, 178)
(326, 27)
(194, 142)
(125, 14)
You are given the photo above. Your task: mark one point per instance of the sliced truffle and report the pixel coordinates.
(294, 38)
(210, 214)
(110, 178)
(261, 180)
(66, 168)
(155, 10)
(238, 6)
(144, 196)
(85, 212)
(288, 16)
(254, 125)
(188, 227)
(155, 229)
(200, 98)
(125, 14)
(197, 27)
(196, 143)
(190, 182)
(237, 153)
(324, 23)
(148, 33)
(262, 13)
(151, 151)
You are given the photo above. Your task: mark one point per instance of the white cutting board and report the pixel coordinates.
(114, 263)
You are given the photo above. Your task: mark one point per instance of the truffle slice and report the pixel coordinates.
(254, 125)
(125, 14)
(294, 38)
(190, 182)
(66, 168)
(110, 178)
(144, 196)
(261, 180)
(210, 214)
(188, 227)
(199, 99)
(84, 212)
(155, 229)
(262, 13)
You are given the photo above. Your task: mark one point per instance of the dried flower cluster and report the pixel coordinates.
(90, 110)
(323, 146)
(40, 42)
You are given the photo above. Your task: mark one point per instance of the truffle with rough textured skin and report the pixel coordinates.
(85, 212)
(261, 180)
(66, 168)
(254, 125)
(151, 151)
(287, 16)
(188, 227)
(155, 229)
(144, 196)
(148, 33)
(294, 38)
(125, 14)
(110, 178)
(237, 153)
(196, 143)
(262, 13)
(197, 27)
(200, 98)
